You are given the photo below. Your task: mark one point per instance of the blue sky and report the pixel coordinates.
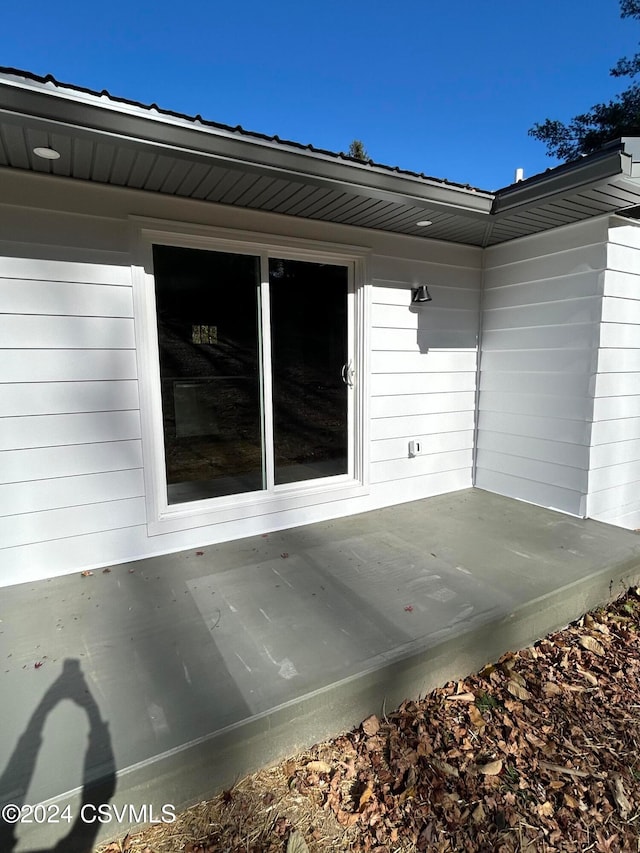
(448, 89)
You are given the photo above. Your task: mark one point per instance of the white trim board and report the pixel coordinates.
(163, 517)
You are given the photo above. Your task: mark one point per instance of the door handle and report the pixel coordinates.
(347, 374)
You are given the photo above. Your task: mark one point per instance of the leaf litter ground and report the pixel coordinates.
(537, 752)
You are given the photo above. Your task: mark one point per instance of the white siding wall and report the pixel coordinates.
(614, 479)
(70, 453)
(541, 314)
(71, 484)
(423, 372)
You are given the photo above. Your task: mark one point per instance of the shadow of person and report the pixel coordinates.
(99, 772)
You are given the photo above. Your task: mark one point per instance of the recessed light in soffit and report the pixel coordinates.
(47, 153)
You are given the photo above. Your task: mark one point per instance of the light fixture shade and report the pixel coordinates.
(47, 153)
(421, 294)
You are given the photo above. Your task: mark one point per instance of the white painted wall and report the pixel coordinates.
(71, 455)
(423, 369)
(541, 314)
(614, 479)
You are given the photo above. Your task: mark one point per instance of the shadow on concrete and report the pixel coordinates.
(17, 776)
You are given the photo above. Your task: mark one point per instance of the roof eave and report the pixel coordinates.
(563, 180)
(70, 109)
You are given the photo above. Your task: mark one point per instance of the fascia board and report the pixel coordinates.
(575, 177)
(102, 116)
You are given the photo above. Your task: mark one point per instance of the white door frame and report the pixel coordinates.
(163, 517)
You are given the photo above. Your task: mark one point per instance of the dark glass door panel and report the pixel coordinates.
(208, 335)
(309, 349)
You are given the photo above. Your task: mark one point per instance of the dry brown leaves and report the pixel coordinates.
(537, 752)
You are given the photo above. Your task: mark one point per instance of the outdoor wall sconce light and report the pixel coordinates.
(421, 294)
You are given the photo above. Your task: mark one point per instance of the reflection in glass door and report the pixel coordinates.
(208, 337)
(309, 350)
(214, 310)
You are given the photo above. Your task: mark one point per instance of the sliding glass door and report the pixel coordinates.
(209, 341)
(309, 355)
(255, 371)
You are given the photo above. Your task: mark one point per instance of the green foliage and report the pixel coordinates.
(358, 151)
(486, 702)
(589, 131)
(628, 67)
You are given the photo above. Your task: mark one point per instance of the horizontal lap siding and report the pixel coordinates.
(541, 315)
(423, 375)
(614, 480)
(71, 453)
(37, 463)
(70, 449)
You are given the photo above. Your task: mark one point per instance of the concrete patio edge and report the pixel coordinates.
(197, 770)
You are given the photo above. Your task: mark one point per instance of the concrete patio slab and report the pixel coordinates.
(208, 664)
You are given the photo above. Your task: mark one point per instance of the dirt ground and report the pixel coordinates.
(537, 752)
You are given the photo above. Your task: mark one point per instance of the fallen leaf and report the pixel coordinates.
(318, 767)
(570, 771)
(411, 777)
(478, 814)
(518, 678)
(493, 768)
(424, 747)
(518, 691)
(592, 645)
(347, 819)
(427, 835)
(476, 717)
(86, 573)
(296, 843)
(570, 801)
(349, 768)
(366, 795)
(617, 789)
(534, 740)
(444, 767)
(508, 663)
(282, 827)
(589, 676)
(550, 688)
(545, 809)
(371, 726)
(461, 697)
(606, 845)
(407, 794)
